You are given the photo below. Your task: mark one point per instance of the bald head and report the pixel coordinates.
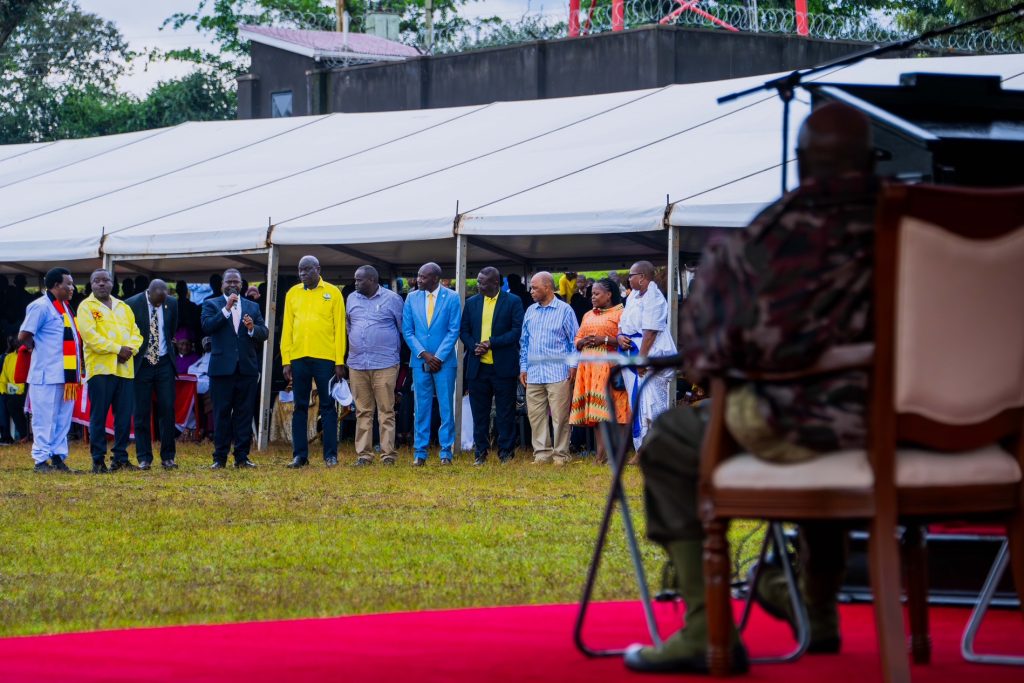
(428, 277)
(542, 287)
(157, 292)
(834, 140)
(309, 271)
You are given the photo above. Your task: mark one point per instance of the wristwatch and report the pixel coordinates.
(606, 340)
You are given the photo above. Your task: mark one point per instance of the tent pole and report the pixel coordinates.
(267, 366)
(672, 294)
(461, 244)
(108, 264)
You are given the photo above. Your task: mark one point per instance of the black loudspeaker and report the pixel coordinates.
(958, 564)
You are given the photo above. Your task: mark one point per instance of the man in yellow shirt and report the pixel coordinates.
(313, 350)
(12, 398)
(111, 338)
(566, 286)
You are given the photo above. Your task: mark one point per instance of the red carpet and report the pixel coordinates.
(488, 644)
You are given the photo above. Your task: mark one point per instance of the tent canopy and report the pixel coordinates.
(574, 180)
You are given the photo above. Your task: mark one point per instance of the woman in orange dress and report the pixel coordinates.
(596, 337)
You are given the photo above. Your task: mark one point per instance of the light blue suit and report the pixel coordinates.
(439, 339)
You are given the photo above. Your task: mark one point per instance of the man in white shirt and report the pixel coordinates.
(643, 330)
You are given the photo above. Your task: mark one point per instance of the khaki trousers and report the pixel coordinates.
(542, 399)
(374, 389)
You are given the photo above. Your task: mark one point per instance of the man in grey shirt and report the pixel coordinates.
(373, 316)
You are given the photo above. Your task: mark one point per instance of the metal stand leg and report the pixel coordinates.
(776, 537)
(616, 449)
(984, 600)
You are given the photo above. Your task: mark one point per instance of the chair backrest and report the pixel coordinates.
(950, 314)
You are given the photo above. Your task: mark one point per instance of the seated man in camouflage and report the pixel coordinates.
(794, 283)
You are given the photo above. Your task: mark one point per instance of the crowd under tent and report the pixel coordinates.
(584, 182)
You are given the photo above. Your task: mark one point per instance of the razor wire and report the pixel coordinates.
(452, 33)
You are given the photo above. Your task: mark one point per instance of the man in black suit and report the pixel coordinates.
(156, 315)
(234, 326)
(491, 325)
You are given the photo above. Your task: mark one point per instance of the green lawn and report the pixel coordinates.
(195, 546)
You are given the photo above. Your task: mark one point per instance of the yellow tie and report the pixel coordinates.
(430, 307)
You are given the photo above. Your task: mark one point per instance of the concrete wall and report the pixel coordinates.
(648, 57)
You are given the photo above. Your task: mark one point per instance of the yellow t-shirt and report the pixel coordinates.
(104, 331)
(314, 324)
(7, 385)
(565, 288)
(486, 322)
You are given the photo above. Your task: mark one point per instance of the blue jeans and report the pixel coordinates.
(426, 385)
(306, 371)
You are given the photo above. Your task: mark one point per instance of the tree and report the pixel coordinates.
(55, 51)
(12, 13)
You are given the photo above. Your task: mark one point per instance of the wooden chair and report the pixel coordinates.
(948, 377)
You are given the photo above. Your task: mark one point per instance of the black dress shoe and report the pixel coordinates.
(58, 465)
(42, 468)
(115, 466)
(331, 461)
(218, 465)
(298, 462)
(169, 465)
(100, 468)
(245, 464)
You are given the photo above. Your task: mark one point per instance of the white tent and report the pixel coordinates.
(585, 180)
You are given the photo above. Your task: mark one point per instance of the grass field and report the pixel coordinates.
(195, 546)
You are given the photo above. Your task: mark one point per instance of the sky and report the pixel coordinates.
(140, 20)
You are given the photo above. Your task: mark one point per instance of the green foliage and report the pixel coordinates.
(60, 71)
(923, 15)
(12, 13)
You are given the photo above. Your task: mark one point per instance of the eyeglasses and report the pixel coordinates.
(633, 275)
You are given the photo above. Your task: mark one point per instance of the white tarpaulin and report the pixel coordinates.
(573, 166)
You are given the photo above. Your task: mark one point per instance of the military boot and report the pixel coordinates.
(819, 595)
(686, 650)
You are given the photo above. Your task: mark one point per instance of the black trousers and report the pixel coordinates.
(159, 380)
(106, 392)
(232, 415)
(483, 389)
(13, 411)
(670, 461)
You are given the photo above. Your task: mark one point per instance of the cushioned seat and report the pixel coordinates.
(851, 470)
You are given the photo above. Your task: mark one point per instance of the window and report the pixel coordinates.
(281, 104)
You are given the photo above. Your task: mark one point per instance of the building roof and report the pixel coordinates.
(329, 44)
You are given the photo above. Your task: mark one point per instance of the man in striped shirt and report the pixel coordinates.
(549, 329)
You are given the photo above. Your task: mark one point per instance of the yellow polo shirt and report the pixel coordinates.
(7, 376)
(314, 324)
(104, 331)
(486, 322)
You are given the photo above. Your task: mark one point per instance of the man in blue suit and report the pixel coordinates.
(234, 326)
(491, 325)
(430, 325)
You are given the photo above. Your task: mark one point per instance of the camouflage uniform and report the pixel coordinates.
(772, 298)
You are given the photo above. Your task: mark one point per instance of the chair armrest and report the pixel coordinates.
(835, 359)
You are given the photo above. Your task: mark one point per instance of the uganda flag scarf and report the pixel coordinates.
(73, 361)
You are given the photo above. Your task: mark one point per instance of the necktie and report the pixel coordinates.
(153, 347)
(430, 307)
(236, 315)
